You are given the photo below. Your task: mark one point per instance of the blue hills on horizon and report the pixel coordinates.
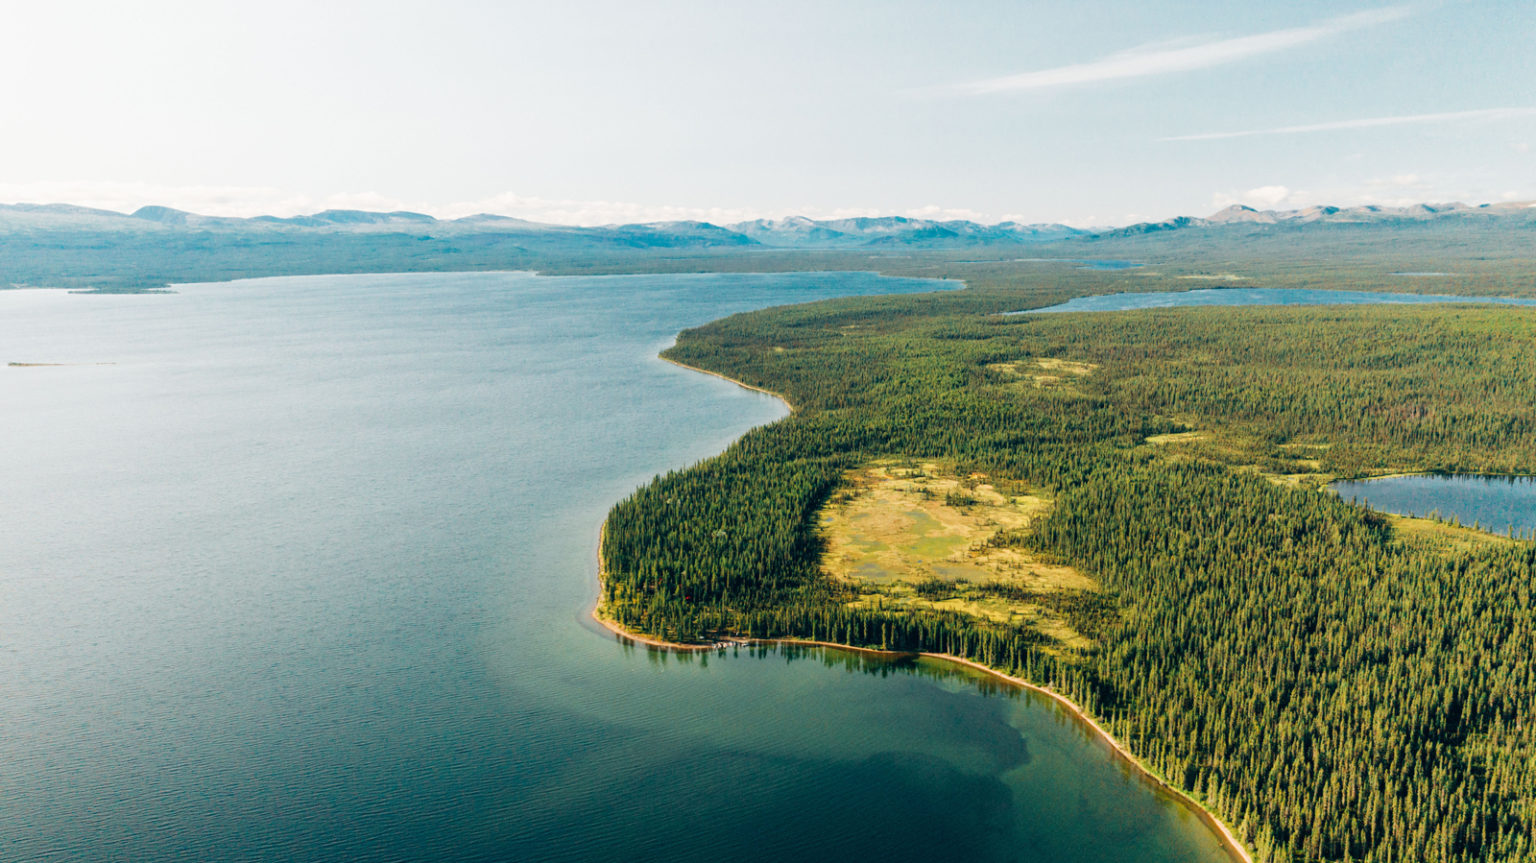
(794, 232)
(69, 246)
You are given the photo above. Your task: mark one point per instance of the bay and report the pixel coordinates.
(300, 569)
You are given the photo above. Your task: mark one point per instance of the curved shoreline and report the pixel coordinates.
(745, 386)
(1234, 848)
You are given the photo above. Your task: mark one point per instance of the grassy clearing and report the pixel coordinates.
(1042, 372)
(1445, 537)
(1177, 438)
(920, 536)
(1294, 464)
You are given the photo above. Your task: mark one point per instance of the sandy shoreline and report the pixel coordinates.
(1235, 849)
(779, 396)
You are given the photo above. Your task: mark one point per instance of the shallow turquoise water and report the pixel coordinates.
(1496, 504)
(1257, 297)
(304, 575)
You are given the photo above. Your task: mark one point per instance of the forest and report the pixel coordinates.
(1329, 686)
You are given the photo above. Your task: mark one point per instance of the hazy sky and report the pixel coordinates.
(593, 112)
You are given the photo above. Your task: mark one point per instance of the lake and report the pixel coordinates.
(1496, 504)
(1256, 297)
(300, 569)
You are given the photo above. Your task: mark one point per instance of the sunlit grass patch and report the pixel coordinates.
(1042, 372)
(921, 536)
(1444, 536)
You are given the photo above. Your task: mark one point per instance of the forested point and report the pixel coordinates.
(1328, 686)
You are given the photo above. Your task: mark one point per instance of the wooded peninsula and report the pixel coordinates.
(1145, 531)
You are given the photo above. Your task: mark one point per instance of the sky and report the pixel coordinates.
(586, 112)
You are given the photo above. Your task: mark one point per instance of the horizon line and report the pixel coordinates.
(940, 219)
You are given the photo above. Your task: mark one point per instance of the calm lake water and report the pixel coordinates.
(304, 574)
(1496, 504)
(1256, 297)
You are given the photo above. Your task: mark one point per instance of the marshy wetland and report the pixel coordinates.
(910, 535)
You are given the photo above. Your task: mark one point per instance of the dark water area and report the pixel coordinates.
(1256, 297)
(299, 569)
(1495, 504)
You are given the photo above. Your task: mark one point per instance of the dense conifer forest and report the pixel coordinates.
(1331, 688)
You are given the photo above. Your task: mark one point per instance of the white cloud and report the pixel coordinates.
(944, 214)
(1266, 196)
(1163, 57)
(1261, 198)
(1367, 123)
(1399, 190)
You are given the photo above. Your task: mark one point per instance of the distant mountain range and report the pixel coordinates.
(798, 232)
(792, 233)
(1239, 215)
(61, 245)
(795, 232)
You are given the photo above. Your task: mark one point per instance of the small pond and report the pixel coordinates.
(1493, 503)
